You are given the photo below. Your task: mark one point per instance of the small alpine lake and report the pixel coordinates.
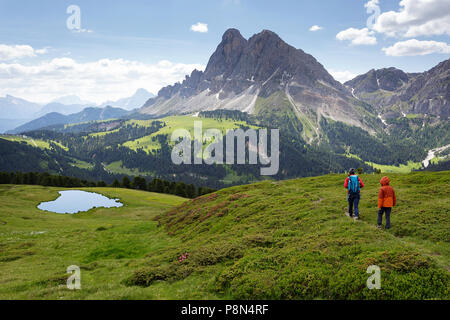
(74, 201)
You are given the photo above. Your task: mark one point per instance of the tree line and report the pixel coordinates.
(139, 183)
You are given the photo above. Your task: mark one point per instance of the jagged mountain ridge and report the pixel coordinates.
(394, 91)
(241, 74)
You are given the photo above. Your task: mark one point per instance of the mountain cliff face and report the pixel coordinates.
(392, 90)
(389, 79)
(246, 74)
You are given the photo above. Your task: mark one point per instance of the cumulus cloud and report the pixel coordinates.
(98, 81)
(315, 28)
(199, 27)
(416, 18)
(11, 52)
(415, 47)
(342, 76)
(357, 36)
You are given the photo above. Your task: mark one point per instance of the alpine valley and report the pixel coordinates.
(386, 120)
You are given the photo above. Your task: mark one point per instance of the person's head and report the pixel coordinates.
(385, 181)
(351, 172)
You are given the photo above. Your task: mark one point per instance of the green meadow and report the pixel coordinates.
(150, 143)
(403, 168)
(269, 240)
(37, 143)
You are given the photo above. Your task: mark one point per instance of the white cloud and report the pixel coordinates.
(342, 76)
(357, 36)
(199, 27)
(415, 47)
(42, 51)
(416, 18)
(315, 28)
(372, 4)
(96, 81)
(8, 52)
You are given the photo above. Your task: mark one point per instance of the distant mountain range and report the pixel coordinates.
(54, 118)
(16, 108)
(61, 108)
(16, 112)
(137, 100)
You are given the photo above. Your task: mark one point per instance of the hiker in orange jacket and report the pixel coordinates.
(386, 200)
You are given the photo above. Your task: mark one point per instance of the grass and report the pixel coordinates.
(402, 168)
(82, 164)
(294, 241)
(102, 133)
(117, 168)
(150, 144)
(37, 143)
(270, 240)
(37, 247)
(390, 168)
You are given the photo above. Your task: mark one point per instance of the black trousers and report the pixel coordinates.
(387, 211)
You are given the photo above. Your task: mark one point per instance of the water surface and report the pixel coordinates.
(73, 201)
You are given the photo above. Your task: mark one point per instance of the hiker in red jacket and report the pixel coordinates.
(386, 200)
(353, 184)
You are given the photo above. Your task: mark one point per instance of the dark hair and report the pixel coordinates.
(351, 171)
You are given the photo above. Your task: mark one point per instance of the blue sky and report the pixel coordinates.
(157, 36)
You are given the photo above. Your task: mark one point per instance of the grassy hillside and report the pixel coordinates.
(291, 240)
(275, 240)
(150, 143)
(37, 143)
(37, 247)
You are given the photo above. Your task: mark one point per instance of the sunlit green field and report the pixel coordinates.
(396, 169)
(150, 144)
(32, 142)
(117, 168)
(36, 247)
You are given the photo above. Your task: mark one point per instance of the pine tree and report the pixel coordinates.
(126, 183)
(116, 183)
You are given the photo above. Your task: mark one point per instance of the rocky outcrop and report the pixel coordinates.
(391, 90)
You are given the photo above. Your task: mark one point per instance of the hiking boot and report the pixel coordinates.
(356, 218)
(378, 226)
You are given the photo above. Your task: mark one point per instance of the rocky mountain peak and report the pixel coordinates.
(388, 79)
(241, 73)
(227, 54)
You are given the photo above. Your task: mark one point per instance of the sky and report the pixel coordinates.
(105, 50)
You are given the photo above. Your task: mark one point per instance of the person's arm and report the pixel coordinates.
(380, 198)
(346, 183)
(361, 184)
